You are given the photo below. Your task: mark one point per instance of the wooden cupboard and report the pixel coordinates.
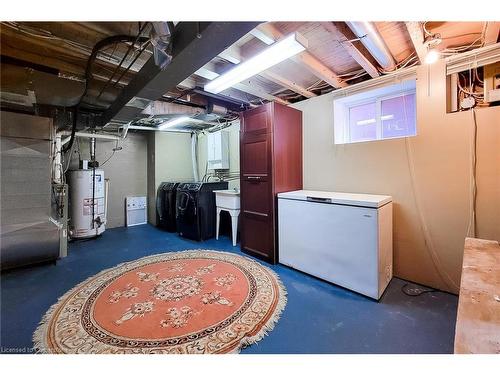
(270, 163)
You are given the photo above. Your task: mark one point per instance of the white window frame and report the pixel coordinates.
(343, 105)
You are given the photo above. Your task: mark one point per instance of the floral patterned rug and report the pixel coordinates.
(195, 301)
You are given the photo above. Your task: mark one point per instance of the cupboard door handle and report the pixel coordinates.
(254, 177)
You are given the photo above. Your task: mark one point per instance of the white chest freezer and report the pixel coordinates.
(343, 238)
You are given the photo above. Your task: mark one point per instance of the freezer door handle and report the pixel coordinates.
(320, 200)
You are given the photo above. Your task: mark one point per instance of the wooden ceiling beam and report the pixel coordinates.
(417, 39)
(233, 55)
(305, 58)
(492, 32)
(249, 86)
(288, 84)
(34, 49)
(72, 68)
(195, 44)
(356, 50)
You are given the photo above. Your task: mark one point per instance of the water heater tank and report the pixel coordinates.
(83, 221)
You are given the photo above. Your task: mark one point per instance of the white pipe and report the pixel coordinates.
(372, 40)
(57, 160)
(194, 156)
(106, 191)
(89, 135)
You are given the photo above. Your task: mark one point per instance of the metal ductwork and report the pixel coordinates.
(372, 40)
(158, 112)
(193, 45)
(158, 108)
(161, 39)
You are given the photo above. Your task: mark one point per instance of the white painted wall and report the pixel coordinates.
(169, 159)
(441, 159)
(126, 171)
(234, 153)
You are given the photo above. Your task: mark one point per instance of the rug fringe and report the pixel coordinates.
(40, 345)
(273, 320)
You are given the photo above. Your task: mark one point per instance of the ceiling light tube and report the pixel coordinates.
(173, 122)
(272, 55)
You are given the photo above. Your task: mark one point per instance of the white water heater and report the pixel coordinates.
(88, 203)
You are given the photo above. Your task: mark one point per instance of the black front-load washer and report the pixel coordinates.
(165, 206)
(195, 209)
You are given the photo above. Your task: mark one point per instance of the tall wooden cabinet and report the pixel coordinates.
(270, 163)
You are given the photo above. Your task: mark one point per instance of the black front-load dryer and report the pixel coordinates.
(165, 206)
(195, 209)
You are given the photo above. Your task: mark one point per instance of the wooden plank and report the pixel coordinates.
(190, 84)
(196, 44)
(233, 55)
(305, 58)
(248, 87)
(417, 38)
(358, 52)
(492, 32)
(57, 58)
(286, 83)
(478, 316)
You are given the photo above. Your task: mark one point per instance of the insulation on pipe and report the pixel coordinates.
(372, 40)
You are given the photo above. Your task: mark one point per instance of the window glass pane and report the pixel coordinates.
(362, 122)
(398, 116)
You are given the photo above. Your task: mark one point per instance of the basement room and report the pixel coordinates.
(177, 182)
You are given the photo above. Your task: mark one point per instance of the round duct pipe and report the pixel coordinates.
(216, 109)
(372, 40)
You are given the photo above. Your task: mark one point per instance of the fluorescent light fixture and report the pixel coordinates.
(432, 56)
(272, 55)
(366, 122)
(173, 122)
(386, 117)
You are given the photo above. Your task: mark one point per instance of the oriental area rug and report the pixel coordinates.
(195, 301)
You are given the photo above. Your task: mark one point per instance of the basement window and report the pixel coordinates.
(381, 113)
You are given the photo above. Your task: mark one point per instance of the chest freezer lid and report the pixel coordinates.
(350, 199)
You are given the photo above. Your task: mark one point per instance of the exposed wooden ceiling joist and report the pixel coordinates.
(417, 38)
(249, 86)
(55, 55)
(291, 85)
(492, 32)
(195, 44)
(305, 58)
(233, 55)
(358, 52)
(228, 96)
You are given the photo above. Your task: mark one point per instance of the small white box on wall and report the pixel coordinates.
(218, 150)
(136, 211)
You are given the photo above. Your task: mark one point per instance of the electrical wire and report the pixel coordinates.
(132, 62)
(132, 46)
(471, 229)
(44, 34)
(112, 154)
(417, 291)
(88, 76)
(445, 277)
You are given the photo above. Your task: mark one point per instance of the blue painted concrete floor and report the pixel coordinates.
(319, 317)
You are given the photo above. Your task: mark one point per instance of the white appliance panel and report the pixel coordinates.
(341, 238)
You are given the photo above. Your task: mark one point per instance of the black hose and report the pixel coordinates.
(88, 75)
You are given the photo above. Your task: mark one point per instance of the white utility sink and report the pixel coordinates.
(229, 199)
